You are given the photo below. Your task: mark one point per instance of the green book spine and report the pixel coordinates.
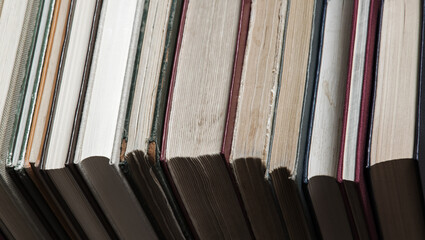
(35, 25)
(128, 167)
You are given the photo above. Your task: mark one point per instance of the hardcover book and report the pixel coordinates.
(145, 118)
(326, 124)
(393, 169)
(358, 99)
(292, 116)
(29, 177)
(195, 120)
(250, 112)
(252, 99)
(18, 25)
(100, 130)
(61, 178)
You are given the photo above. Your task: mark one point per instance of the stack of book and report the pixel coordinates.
(194, 119)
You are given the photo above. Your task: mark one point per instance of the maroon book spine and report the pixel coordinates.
(364, 118)
(167, 118)
(365, 108)
(233, 99)
(345, 119)
(236, 78)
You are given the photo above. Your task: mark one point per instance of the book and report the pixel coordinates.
(179, 119)
(145, 118)
(393, 168)
(53, 160)
(250, 112)
(97, 152)
(292, 117)
(16, 160)
(196, 117)
(326, 127)
(29, 177)
(18, 27)
(358, 99)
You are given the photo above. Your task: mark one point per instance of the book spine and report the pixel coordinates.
(241, 43)
(340, 168)
(236, 79)
(159, 113)
(171, 45)
(306, 119)
(163, 159)
(365, 108)
(313, 75)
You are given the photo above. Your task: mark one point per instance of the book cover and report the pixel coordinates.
(137, 165)
(395, 183)
(18, 211)
(220, 174)
(360, 184)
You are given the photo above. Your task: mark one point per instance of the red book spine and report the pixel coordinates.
(236, 78)
(364, 118)
(362, 140)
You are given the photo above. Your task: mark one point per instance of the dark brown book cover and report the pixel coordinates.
(34, 198)
(397, 199)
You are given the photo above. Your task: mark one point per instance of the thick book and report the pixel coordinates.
(196, 117)
(326, 122)
(252, 99)
(358, 99)
(145, 118)
(393, 168)
(100, 131)
(292, 116)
